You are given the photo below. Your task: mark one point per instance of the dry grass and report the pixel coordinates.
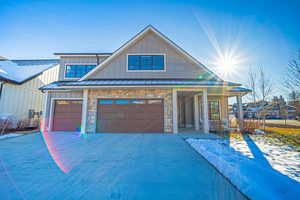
(277, 135)
(287, 136)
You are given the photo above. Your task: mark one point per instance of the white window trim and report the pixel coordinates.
(52, 108)
(74, 78)
(147, 54)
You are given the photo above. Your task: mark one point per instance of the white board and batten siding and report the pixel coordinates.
(177, 65)
(17, 100)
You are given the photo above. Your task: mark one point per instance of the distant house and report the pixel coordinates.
(20, 99)
(276, 109)
(279, 109)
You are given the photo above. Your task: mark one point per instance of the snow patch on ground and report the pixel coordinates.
(247, 168)
(281, 158)
(9, 135)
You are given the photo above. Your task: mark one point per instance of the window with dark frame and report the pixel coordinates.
(213, 110)
(77, 71)
(146, 62)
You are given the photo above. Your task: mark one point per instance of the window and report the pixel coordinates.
(130, 101)
(146, 62)
(105, 101)
(213, 110)
(155, 101)
(77, 71)
(121, 101)
(138, 101)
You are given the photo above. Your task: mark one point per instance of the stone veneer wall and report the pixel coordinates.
(94, 95)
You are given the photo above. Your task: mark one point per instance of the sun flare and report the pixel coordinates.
(227, 64)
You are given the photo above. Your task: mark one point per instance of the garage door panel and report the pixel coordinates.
(67, 115)
(66, 125)
(130, 126)
(130, 117)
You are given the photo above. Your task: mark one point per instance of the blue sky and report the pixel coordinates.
(262, 33)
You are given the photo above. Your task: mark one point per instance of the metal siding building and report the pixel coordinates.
(18, 98)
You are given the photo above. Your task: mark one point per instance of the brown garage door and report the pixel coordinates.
(130, 115)
(67, 115)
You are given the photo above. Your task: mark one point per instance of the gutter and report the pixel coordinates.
(200, 87)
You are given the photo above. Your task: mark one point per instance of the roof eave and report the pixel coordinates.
(82, 54)
(132, 86)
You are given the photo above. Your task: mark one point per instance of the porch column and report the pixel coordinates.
(84, 111)
(174, 112)
(205, 112)
(196, 112)
(240, 111)
(45, 122)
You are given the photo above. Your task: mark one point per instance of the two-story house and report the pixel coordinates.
(148, 85)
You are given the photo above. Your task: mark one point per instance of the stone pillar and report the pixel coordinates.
(205, 111)
(240, 111)
(84, 111)
(196, 112)
(175, 115)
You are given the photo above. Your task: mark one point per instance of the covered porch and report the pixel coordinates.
(204, 110)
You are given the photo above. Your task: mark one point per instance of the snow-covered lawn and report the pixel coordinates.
(283, 158)
(9, 135)
(258, 167)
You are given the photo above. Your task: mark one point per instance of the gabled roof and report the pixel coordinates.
(136, 38)
(20, 71)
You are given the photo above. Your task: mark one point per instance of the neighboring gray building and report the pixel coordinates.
(148, 85)
(20, 97)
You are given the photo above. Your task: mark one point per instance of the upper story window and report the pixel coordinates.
(77, 71)
(146, 62)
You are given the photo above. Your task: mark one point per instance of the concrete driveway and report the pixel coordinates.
(107, 166)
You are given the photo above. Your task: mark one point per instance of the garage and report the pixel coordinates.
(130, 115)
(67, 115)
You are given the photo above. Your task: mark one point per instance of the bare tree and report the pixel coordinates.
(265, 89)
(292, 80)
(265, 85)
(252, 84)
(294, 97)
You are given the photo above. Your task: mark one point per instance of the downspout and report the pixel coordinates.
(1, 88)
(97, 59)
